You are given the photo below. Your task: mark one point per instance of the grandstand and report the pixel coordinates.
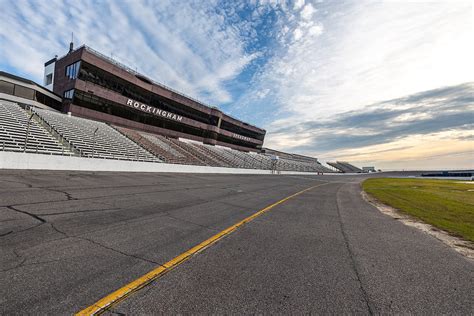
(32, 121)
(159, 147)
(183, 151)
(94, 139)
(289, 161)
(98, 87)
(55, 133)
(345, 167)
(21, 132)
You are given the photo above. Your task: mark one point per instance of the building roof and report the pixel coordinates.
(28, 82)
(12, 76)
(49, 62)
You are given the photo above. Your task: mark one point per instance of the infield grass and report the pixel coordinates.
(445, 204)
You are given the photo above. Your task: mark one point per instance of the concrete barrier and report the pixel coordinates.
(28, 161)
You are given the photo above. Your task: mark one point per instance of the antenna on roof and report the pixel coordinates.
(71, 45)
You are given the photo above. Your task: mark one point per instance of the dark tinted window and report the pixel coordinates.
(235, 141)
(46, 100)
(6, 87)
(105, 106)
(241, 131)
(104, 79)
(101, 105)
(73, 70)
(69, 94)
(24, 92)
(49, 79)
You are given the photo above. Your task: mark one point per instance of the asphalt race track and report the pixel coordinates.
(70, 238)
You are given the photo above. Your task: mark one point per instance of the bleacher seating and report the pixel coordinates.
(161, 147)
(208, 150)
(214, 159)
(350, 167)
(90, 138)
(296, 162)
(296, 165)
(229, 155)
(345, 167)
(107, 143)
(194, 152)
(238, 159)
(256, 162)
(13, 129)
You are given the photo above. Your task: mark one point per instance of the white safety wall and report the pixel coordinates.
(14, 160)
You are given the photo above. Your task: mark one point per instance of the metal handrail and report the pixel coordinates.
(56, 134)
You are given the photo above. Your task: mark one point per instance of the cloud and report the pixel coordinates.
(349, 54)
(386, 128)
(298, 4)
(297, 33)
(307, 12)
(425, 152)
(189, 47)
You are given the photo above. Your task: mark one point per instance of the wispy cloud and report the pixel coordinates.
(189, 47)
(353, 53)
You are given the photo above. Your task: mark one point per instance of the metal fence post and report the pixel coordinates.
(28, 131)
(93, 144)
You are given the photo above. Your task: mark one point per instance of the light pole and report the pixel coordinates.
(93, 144)
(28, 131)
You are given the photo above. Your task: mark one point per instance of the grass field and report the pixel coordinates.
(445, 204)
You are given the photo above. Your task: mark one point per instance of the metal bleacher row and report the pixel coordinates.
(51, 132)
(13, 131)
(345, 167)
(94, 139)
(194, 153)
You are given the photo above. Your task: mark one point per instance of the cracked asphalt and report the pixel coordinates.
(68, 239)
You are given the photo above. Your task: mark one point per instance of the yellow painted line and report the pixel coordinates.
(103, 304)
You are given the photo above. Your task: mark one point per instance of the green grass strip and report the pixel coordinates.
(445, 204)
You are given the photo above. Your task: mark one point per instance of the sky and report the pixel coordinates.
(377, 83)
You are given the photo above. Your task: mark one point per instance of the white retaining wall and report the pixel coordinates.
(15, 160)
